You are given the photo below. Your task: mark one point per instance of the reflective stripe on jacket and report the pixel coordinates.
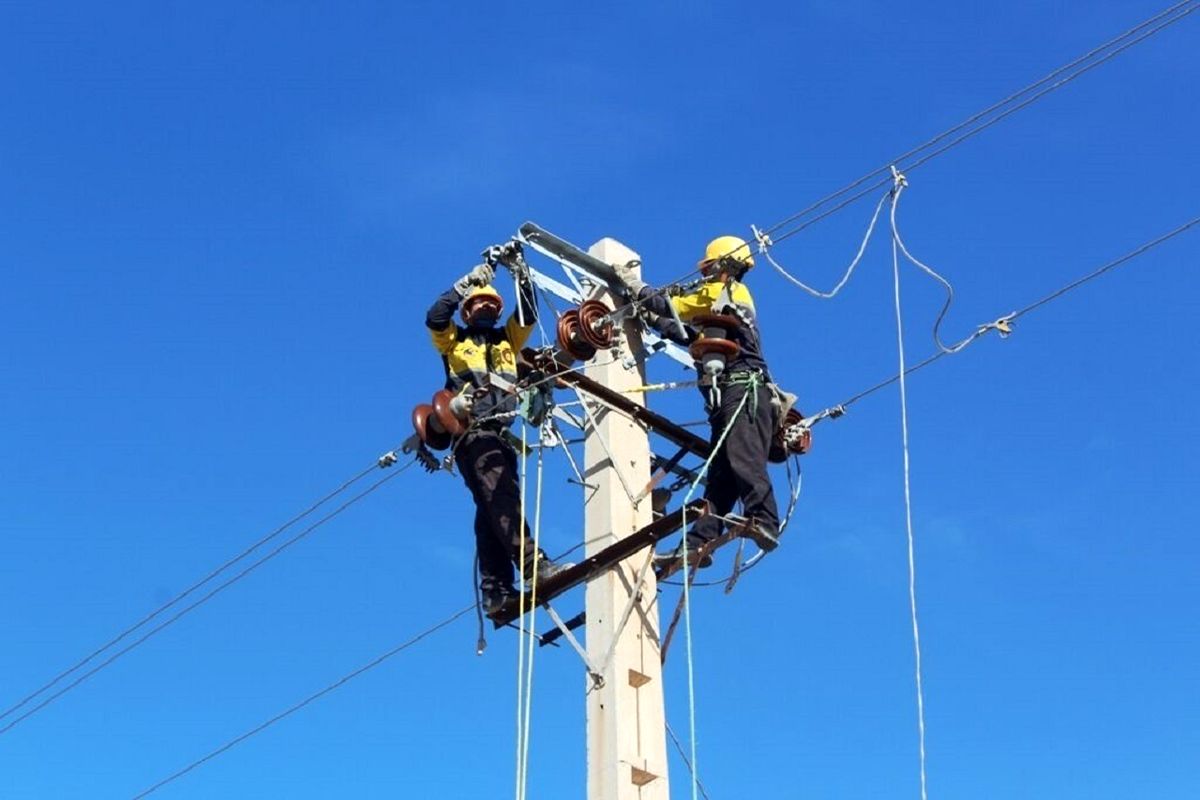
(470, 354)
(711, 298)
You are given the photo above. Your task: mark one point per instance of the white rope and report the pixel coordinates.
(687, 593)
(912, 582)
(900, 185)
(765, 243)
(537, 537)
(520, 782)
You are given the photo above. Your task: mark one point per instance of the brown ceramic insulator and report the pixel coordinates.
(595, 326)
(704, 345)
(445, 417)
(571, 339)
(716, 322)
(425, 424)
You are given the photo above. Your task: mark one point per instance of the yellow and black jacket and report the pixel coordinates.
(471, 354)
(713, 297)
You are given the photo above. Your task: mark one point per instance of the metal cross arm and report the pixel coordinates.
(615, 553)
(664, 427)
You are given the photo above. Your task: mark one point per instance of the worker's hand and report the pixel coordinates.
(628, 275)
(480, 276)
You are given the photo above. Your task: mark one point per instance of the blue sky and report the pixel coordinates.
(222, 227)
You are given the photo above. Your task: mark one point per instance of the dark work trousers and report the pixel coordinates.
(489, 467)
(739, 470)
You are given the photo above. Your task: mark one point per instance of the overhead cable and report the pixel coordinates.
(1056, 294)
(1009, 105)
(186, 592)
(189, 608)
(311, 698)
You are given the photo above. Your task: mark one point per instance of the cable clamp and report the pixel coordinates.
(387, 459)
(898, 179)
(764, 241)
(1003, 326)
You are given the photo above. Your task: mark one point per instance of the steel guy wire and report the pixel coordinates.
(214, 592)
(311, 698)
(1186, 7)
(177, 598)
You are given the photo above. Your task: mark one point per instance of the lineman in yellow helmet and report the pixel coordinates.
(471, 353)
(739, 469)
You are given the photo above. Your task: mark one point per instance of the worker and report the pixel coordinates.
(739, 466)
(472, 353)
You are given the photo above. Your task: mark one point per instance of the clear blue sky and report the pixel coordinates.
(221, 228)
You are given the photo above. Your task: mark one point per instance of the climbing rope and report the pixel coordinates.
(765, 243)
(752, 388)
(912, 580)
(1003, 325)
(529, 642)
(521, 554)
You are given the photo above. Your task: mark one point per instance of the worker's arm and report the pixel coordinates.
(520, 323)
(439, 319)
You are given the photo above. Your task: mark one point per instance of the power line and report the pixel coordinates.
(177, 598)
(311, 698)
(1057, 293)
(1164, 19)
(187, 609)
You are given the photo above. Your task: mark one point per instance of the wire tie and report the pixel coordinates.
(898, 179)
(764, 241)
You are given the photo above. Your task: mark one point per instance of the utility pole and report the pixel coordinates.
(626, 737)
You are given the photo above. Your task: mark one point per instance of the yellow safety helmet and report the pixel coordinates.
(475, 295)
(727, 247)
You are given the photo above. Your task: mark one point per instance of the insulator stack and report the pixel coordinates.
(715, 346)
(596, 325)
(571, 339)
(439, 421)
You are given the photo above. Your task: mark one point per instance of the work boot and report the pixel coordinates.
(494, 595)
(546, 569)
(764, 535)
(664, 561)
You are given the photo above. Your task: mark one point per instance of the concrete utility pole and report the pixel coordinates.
(626, 738)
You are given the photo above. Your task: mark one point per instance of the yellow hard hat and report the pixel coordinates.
(475, 295)
(731, 247)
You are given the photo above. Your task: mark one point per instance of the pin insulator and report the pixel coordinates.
(443, 409)
(595, 325)
(571, 339)
(425, 423)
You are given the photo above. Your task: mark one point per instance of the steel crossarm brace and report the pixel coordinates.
(615, 553)
(552, 636)
(635, 597)
(562, 630)
(664, 427)
(662, 468)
